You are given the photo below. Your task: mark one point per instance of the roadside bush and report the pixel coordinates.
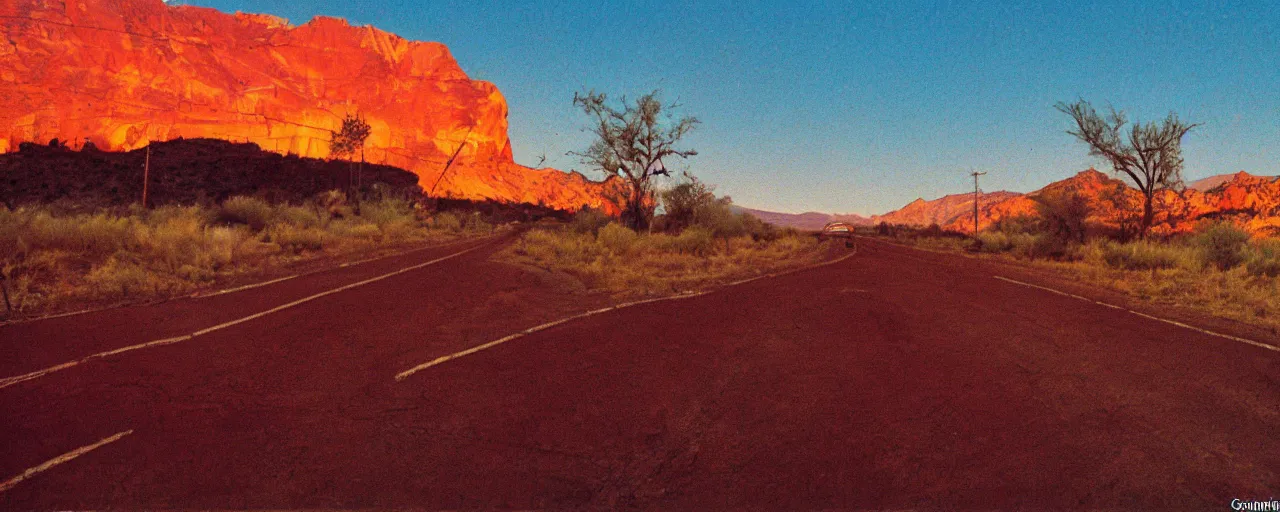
(334, 203)
(719, 220)
(683, 201)
(1223, 243)
(993, 242)
(696, 241)
(589, 220)
(759, 230)
(1263, 258)
(297, 240)
(1147, 255)
(1063, 215)
(475, 223)
(616, 238)
(250, 211)
(447, 221)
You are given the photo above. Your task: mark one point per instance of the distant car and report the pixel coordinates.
(838, 230)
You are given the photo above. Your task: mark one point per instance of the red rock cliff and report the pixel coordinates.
(122, 73)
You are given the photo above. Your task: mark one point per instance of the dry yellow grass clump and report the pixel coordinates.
(56, 260)
(618, 260)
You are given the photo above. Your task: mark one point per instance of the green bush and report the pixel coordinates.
(1223, 243)
(994, 241)
(589, 220)
(717, 218)
(682, 202)
(1147, 255)
(616, 238)
(759, 230)
(1263, 258)
(250, 211)
(696, 240)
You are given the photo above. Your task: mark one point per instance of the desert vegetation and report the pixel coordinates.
(56, 258)
(1219, 268)
(631, 143)
(699, 241)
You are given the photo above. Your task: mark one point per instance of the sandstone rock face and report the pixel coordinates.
(1252, 202)
(944, 211)
(123, 73)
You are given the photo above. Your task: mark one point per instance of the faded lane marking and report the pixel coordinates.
(9, 381)
(1144, 315)
(688, 295)
(405, 374)
(245, 287)
(8, 484)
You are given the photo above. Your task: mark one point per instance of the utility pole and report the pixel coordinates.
(146, 175)
(975, 175)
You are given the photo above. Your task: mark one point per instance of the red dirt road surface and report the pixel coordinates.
(895, 378)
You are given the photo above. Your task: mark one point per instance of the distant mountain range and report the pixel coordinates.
(1251, 201)
(1240, 195)
(808, 221)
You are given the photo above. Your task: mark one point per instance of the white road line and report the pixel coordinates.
(688, 295)
(9, 381)
(8, 484)
(405, 374)
(1144, 315)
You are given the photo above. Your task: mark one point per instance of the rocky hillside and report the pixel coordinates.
(945, 211)
(123, 73)
(1251, 201)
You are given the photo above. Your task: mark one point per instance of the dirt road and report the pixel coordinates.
(891, 379)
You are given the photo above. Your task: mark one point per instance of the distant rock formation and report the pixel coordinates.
(1251, 201)
(123, 73)
(810, 221)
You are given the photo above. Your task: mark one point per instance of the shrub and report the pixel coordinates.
(616, 238)
(1263, 258)
(334, 203)
(683, 201)
(993, 241)
(717, 218)
(696, 240)
(447, 221)
(297, 240)
(387, 211)
(1147, 255)
(589, 220)
(477, 224)
(1062, 215)
(759, 230)
(250, 211)
(1223, 243)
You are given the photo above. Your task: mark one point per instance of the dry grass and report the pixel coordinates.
(620, 261)
(56, 261)
(1218, 270)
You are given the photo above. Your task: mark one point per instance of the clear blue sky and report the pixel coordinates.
(839, 107)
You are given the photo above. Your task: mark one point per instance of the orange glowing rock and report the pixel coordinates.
(1253, 202)
(122, 73)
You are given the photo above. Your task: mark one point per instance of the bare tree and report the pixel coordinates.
(1151, 157)
(631, 143)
